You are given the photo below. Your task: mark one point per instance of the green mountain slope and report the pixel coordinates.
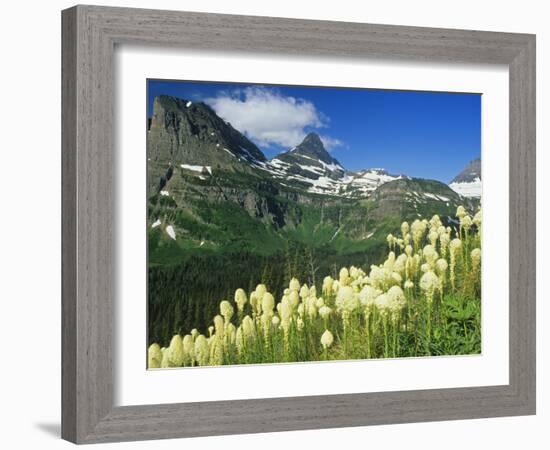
(221, 216)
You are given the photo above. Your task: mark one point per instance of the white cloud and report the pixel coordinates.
(269, 118)
(331, 143)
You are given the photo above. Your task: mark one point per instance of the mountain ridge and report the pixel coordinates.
(196, 158)
(194, 138)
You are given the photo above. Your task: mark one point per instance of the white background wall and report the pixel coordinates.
(30, 222)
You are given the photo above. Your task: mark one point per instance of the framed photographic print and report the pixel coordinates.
(299, 245)
(254, 213)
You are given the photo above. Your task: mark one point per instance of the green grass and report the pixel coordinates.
(421, 319)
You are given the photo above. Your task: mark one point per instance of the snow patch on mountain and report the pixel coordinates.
(171, 232)
(364, 182)
(194, 168)
(330, 179)
(468, 188)
(468, 182)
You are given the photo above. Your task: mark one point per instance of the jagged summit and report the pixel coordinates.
(312, 149)
(184, 131)
(309, 160)
(312, 146)
(470, 173)
(190, 136)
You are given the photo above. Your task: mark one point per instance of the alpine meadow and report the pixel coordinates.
(274, 235)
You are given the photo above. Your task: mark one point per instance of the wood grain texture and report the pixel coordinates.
(68, 225)
(89, 36)
(522, 283)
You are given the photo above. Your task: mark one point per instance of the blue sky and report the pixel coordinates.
(422, 134)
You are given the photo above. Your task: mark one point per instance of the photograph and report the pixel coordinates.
(292, 224)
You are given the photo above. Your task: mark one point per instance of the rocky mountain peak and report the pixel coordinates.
(470, 173)
(310, 159)
(312, 146)
(468, 182)
(190, 136)
(315, 170)
(193, 133)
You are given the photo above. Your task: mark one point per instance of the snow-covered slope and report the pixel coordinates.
(468, 188)
(362, 183)
(328, 180)
(468, 182)
(310, 167)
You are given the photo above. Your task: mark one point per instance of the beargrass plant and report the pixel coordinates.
(422, 300)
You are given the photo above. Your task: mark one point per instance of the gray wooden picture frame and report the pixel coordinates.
(90, 34)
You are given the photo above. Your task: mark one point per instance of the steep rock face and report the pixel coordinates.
(471, 172)
(310, 159)
(263, 199)
(468, 182)
(183, 132)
